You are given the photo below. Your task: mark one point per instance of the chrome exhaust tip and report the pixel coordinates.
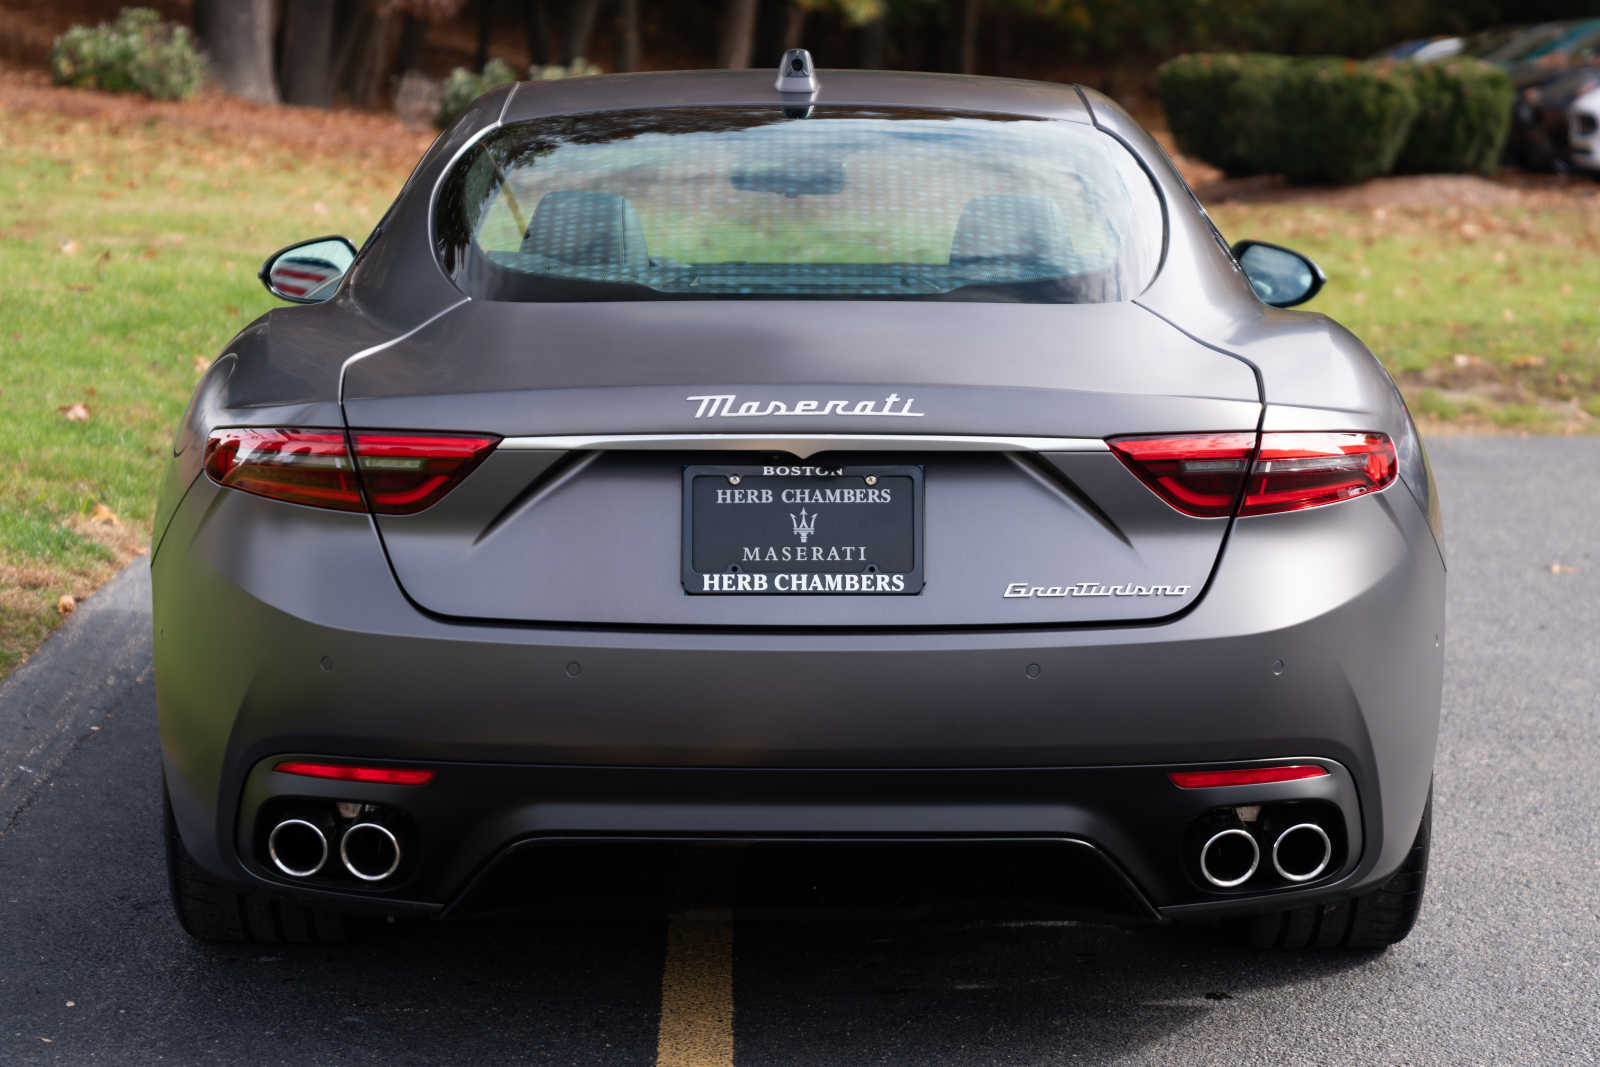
(1302, 852)
(297, 848)
(370, 851)
(1229, 857)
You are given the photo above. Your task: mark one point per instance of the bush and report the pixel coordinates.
(463, 86)
(136, 54)
(1339, 121)
(1463, 119)
(1323, 120)
(1220, 107)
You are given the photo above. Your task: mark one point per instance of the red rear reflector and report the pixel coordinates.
(1204, 474)
(402, 473)
(1245, 776)
(345, 772)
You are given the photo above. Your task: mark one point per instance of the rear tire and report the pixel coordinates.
(1373, 920)
(211, 911)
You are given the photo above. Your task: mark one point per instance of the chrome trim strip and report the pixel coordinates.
(802, 446)
(344, 368)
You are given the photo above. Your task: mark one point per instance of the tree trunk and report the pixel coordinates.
(353, 22)
(372, 58)
(480, 54)
(738, 34)
(874, 36)
(795, 27)
(970, 10)
(536, 26)
(408, 55)
(237, 38)
(305, 61)
(580, 28)
(628, 45)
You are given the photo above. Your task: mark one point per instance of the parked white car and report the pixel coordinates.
(1583, 130)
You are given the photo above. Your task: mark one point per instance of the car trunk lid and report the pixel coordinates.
(608, 410)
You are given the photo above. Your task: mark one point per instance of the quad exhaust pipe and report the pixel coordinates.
(297, 847)
(1229, 857)
(1302, 852)
(370, 851)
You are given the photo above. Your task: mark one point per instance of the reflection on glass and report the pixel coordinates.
(310, 272)
(883, 204)
(1279, 277)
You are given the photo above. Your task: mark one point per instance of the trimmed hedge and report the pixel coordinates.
(139, 53)
(1464, 117)
(1333, 121)
(1339, 121)
(1204, 97)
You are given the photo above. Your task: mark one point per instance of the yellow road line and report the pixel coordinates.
(697, 992)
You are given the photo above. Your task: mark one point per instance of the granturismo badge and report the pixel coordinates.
(1076, 589)
(729, 406)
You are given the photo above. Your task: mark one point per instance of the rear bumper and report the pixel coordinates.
(279, 631)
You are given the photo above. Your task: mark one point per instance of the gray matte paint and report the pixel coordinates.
(284, 629)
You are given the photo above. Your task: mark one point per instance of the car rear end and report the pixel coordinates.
(682, 530)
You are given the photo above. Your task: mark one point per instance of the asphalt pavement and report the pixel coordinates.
(1503, 967)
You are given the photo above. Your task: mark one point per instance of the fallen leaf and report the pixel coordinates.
(1562, 568)
(74, 1003)
(78, 412)
(201, 364)
(67, 604)
(1524, 362)
(1507, 315)
(47, 1041)
(1464, 359)
(104, 516)
(68, 248)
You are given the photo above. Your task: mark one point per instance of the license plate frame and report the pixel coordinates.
(889, 537)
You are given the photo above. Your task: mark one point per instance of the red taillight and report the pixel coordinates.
(403, 473)
(1245, 776)
(1199, 474)
(1302, 470)
(347, 772)
(1204, 474)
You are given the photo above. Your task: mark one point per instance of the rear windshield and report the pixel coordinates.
(686, 203)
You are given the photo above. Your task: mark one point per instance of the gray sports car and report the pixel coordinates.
(893, 461)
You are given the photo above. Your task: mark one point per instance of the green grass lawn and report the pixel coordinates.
(1486, 318)
(128, 260)
(129, 257)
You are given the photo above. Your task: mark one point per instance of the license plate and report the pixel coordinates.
(802, 530)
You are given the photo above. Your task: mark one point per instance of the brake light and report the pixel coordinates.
(402, 473)
(1199, 474)
(1303, 470)
(1205, 474)
(345, 772)
(1245, 776)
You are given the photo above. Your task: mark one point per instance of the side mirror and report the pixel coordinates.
(308, 272)
(1280, 276)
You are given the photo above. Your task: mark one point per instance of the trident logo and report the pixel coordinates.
(803, 525)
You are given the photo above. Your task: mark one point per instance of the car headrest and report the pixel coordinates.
(1011, 228)
(582, 228)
